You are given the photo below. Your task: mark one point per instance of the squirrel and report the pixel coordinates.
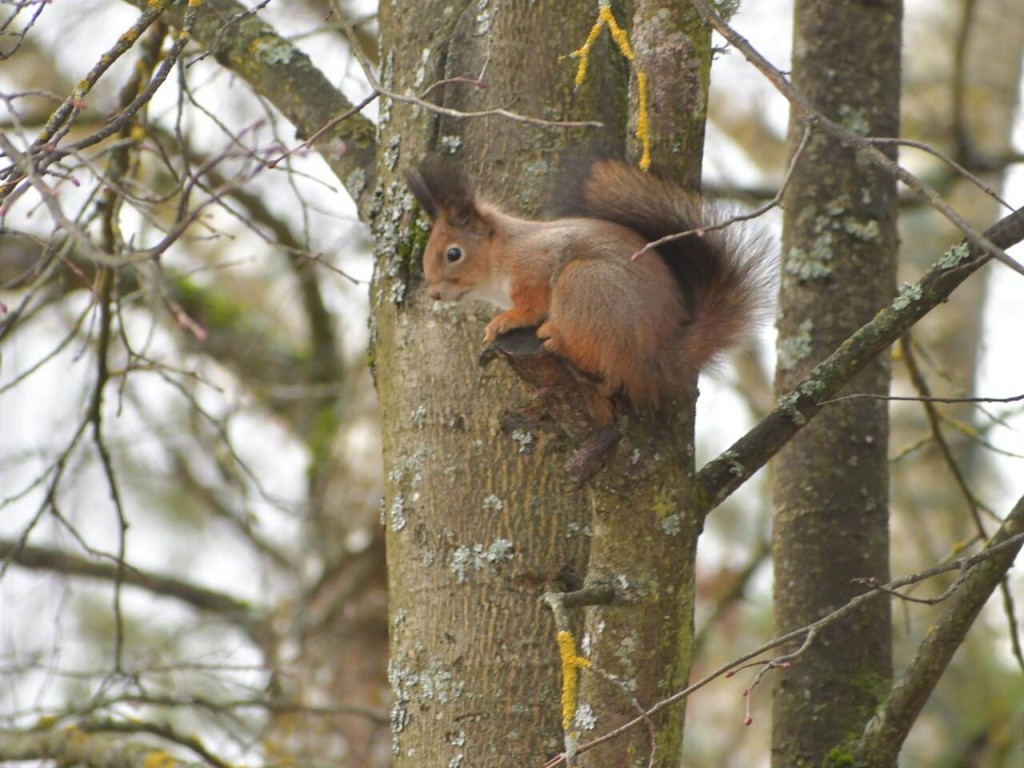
(630, 324)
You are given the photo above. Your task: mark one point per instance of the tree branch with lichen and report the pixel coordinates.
(885, 733)
(73, 746)
(724, 474)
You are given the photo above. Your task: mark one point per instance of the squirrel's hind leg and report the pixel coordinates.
(592, 385)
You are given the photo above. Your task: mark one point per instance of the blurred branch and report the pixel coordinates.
(934, 419)
(961, 134)
(236, 334)
(10, 31)
(104, 297)
(162, 730)
(88, 742)
(46, 149)
(189, 483)
(966, 148)
(325, 352)
(733, 593)
(264, 703)
(230, 608)
(73, 746)
(1013, 626)
(61, 120)
(134, 95)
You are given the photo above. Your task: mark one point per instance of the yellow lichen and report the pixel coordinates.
(643, 124)
(583, 53)
(46, 722)
(605, 18)
(158, 759)
(618, 33)
(571, 664)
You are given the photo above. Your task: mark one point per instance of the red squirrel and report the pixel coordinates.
(641, 328)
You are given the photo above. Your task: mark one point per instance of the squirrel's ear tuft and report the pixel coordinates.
(444, 190)
(421, 192)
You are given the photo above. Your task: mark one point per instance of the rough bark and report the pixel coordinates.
(831, 481)
(480, 521)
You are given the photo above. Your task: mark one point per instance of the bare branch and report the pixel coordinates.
(885, 733)
(924, 399)
(43, 559)
(935, 423)
(62, 119)
(957, 167)
(165, 732)
(280, 72)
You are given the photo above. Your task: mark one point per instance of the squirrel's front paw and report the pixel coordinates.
(494, 328)
(505, 322)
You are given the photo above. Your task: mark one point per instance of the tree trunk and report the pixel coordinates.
(831, 481)
(480, 521)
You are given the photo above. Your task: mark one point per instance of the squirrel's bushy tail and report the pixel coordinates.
(726, 274)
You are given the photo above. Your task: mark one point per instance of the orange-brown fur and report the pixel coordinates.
(639, 328)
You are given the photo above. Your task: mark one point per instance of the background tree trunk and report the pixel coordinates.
(831, 481)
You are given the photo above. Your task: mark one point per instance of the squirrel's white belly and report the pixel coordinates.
(496, 289)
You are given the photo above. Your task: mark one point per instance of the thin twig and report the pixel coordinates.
(935, 423)
(924, 399)
(374, 81)
(925, 147)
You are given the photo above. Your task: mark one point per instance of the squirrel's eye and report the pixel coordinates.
(453, 254)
